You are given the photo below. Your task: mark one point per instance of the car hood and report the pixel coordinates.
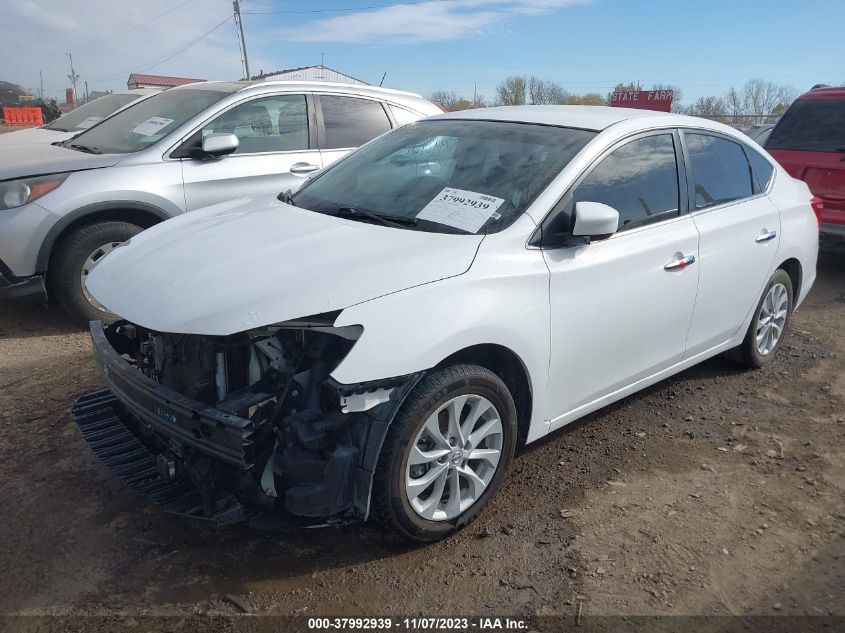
(33, 135)
(257, 261)
(35, 159)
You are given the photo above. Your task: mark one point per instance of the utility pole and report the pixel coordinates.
(239, 21)
(73, 77)
(41, 84)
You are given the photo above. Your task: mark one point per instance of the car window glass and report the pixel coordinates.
(146, 123)
(814, 125)
(639, 180)
(350, 122)
(403, 172)
(763, 169)
(270, 124)
(403, 116)
(720, 171)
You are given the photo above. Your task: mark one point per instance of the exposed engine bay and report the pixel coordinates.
(240, 425)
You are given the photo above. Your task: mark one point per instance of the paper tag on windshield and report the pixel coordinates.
(152, 126)
(86, 123)
(462, 209)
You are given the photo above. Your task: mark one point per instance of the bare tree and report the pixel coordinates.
(446, 98)
(591, 98)
(542, 91)
(758, 101)
(512, 91)
(709, 107)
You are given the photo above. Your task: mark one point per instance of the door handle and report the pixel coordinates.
(303, 168)
(680, 263)
(766, 236)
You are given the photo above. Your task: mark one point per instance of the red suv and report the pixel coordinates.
(809, 141)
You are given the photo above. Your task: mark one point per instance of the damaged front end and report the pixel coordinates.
(233, 427)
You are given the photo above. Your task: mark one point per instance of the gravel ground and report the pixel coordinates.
(717, 492)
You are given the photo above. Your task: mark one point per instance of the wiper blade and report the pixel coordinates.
(382, 218)
(85, 148)
(286, 197)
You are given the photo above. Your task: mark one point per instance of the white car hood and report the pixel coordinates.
(34, 135)
(256, 261)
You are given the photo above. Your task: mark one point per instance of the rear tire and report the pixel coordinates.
(74, 257)
(471, 460)
(769, 325)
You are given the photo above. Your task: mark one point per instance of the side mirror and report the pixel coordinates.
(595, 220)
(218, 145)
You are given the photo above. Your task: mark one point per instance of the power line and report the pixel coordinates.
(156, 17)
(179, 50)
(342, 9)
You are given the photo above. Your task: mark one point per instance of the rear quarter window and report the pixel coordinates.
(811, 125)
(763, 170)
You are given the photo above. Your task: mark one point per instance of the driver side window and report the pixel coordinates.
(638, 179)
(270, 124)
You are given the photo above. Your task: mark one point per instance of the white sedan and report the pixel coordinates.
(380, 342)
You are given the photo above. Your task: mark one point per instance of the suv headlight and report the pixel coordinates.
(16, 193)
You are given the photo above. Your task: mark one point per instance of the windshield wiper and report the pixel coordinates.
(85, 148)
(286, 197)
(382, 218)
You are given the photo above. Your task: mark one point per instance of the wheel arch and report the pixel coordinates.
(792, 267)
(508, 366)
(140, 213)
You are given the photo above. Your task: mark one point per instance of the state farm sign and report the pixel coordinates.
(660, 100)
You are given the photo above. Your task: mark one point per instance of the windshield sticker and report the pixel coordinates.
(462, 209)
(152, 126)
(86, 123)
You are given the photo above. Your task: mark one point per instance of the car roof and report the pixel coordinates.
(308, 86)
(826, 92)
(596, 118)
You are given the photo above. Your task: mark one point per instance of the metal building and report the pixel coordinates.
(311, 73)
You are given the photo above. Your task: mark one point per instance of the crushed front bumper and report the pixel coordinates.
(197, 460)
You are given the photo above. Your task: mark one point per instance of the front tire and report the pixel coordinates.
(445, 454)
(75, 256)
(770, 322)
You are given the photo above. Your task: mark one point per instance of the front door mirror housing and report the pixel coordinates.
(219, 145)
(594, 220)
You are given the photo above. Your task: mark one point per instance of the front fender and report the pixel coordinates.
(501, 302)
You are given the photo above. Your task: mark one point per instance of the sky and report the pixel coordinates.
(459, 45)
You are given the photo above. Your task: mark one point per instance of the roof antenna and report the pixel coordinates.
(382, 79)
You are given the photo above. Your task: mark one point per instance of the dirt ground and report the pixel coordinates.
(717, 492)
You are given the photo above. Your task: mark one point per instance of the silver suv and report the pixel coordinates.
(63, 207)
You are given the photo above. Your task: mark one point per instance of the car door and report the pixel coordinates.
(277, 151)
(740, 232)
(348, 122)
(621, 307)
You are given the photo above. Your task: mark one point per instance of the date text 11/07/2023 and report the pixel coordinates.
(417, 624)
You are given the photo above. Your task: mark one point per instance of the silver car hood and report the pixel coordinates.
(39, 135)
(34, 159)
(256, 261)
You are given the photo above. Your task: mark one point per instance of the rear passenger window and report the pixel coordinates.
(350, 122)
(763, 169)
(720, 171)
(639, 179)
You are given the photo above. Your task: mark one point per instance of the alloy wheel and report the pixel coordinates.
(90, 263)
(772, 319)
(454, 457)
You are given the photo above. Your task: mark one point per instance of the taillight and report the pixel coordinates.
(818, 206)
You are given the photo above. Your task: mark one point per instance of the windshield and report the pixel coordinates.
(91, 113)
(449, 176)
(813, 125)
(140, 126)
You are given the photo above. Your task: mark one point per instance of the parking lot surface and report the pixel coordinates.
(719, 491)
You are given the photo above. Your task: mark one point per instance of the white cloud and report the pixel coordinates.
(427, 22)
(107, 42)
